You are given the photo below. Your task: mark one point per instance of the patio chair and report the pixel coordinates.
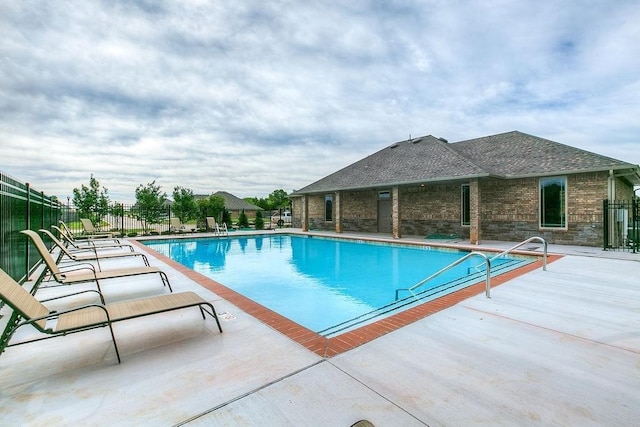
(72, 243)
(83, 272)
(217, 228)
(93, 233)
(94, 255)
(29, 311)
(177, 226)
(85, 239)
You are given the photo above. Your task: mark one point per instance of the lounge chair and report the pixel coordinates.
(93, 233)
(94, 255)
(72, 243)
(177, 226)
(84, 272)
(29, 311)
(219, 229)
(84, 239)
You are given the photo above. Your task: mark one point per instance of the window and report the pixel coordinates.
(553, 201)
(328, 207)
(465, 210)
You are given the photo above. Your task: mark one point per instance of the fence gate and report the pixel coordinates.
(621, 225)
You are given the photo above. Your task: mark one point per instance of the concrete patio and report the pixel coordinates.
(556, 347)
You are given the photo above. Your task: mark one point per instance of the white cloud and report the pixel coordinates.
(249, 97)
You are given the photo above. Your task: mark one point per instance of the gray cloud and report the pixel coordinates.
(249, 96)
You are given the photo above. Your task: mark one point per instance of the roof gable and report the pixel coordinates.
(234, 203)
(416, 160)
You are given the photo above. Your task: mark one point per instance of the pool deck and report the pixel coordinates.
(555, 347)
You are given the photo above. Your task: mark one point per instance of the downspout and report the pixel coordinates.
(611, 190)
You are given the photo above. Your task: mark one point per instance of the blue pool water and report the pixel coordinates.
(326, 285)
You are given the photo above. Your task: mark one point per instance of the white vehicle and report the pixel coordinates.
(281, 219)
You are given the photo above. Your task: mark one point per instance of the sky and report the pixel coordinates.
(253, 96)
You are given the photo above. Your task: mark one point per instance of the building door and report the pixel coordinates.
(384, 212)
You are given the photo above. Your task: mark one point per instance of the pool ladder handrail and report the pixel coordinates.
(487, 261)
(530, 239)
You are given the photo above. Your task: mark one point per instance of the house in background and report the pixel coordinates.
(507, 187)
(235, 205)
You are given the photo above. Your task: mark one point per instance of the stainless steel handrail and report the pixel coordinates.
(453, 264)
(531, 239)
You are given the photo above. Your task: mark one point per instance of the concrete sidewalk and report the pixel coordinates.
(560, 347)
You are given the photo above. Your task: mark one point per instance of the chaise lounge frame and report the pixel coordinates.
(83, 272)
(27, 310)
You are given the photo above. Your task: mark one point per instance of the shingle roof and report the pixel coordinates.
(427, 159)
(234, 203)
(516, 154)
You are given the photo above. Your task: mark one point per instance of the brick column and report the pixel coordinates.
(305, 209)
(338, 213)
(395, 213)
(474, 200)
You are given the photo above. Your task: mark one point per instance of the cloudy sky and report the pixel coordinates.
(253, 96)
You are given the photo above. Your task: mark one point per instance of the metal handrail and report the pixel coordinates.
(531, 239)
(453, 264)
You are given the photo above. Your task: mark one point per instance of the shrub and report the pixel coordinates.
(243, 221)
(259, 222)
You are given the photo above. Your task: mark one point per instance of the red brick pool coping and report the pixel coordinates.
(329, 347)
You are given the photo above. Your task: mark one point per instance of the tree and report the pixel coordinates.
(278, 199)
(151, 204)
(211, 206)
(184, 204)
(259, 221)
(226, 217)
(91, 202)
(243, 221)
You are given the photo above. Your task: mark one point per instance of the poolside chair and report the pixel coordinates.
(83, 272)
(217, 228)
(94, 255)
(84, 239)
(29, 311)
(72, 243)
(177, 226)
(93, 233)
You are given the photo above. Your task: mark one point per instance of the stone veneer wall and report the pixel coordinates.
(510, 210)
(431, 209)
(360, 210)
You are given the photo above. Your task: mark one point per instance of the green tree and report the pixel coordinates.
(259, 221)
(243, 221)
(263, 203)
(184, 204)
(92, 202)
(211, 206)
(226, 217)
(278, 199)
(151, 202)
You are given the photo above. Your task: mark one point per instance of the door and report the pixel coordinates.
(384, 216)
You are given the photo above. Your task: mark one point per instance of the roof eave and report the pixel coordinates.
(633, 170)
(392, 184)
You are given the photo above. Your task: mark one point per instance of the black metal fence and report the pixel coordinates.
(129, 220)
(22, 208)
(621, 225)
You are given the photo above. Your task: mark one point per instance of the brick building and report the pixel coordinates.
(508, 187)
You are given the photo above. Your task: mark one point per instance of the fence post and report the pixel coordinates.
(635, 216)
(605, 223)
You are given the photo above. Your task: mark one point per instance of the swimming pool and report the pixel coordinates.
(326, 285)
